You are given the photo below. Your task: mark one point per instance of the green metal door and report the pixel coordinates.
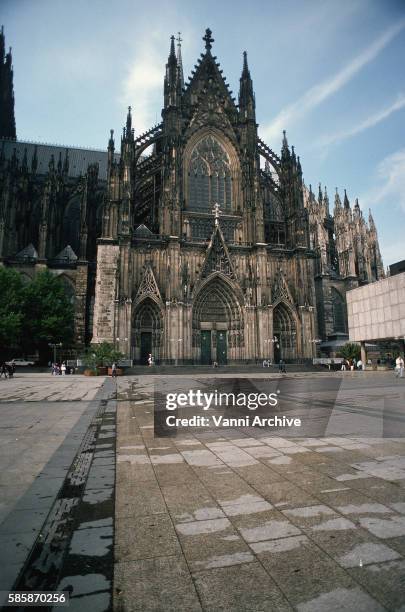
(206, 347)
(222, 355)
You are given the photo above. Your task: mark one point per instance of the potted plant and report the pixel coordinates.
(101, 355)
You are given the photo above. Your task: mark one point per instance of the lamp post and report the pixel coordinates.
(54, 346)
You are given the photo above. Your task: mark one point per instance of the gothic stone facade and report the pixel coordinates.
(196, 242)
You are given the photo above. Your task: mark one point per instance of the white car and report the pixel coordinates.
(19, 361)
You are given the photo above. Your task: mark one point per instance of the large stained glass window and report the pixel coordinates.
(209, 177)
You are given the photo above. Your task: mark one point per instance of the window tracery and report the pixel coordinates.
(209, 176)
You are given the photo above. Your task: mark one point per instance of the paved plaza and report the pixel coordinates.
(233, 519)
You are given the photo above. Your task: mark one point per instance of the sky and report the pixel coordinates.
(329, 72)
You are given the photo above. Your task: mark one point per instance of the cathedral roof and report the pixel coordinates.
(79, 158)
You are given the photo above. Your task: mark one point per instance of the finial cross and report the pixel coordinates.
(216, 211)
(208, 39)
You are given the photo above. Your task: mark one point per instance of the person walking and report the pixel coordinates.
(114, 370)
(63, 368)
(399, 367)
(360, 365)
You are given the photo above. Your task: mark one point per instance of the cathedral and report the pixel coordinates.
(195, 241)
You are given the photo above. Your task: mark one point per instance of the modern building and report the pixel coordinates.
(196, 242)
(376, 312)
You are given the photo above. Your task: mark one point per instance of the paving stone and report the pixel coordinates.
(303, 571)
(145, 538)
(154, 585)
(341, 600)
(385, 581)
(139, 501)
(240, 588)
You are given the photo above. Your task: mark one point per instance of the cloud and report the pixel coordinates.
(144, 81)
(391, 252)
(390, 186)
(369, 122)
(320, 92)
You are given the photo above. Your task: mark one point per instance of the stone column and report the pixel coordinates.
(363, 354)
(104, 324)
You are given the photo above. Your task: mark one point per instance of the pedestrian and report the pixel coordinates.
(399, 367)
(3, 370)
(114, 370)
(343, 366)
(10, 369)
(352, 362)
(150, 360)
(281, 367)
(359, 364)
(63, 368)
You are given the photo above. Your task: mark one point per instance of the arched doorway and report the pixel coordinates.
(217, 323)
(147, 332)
(285, 333)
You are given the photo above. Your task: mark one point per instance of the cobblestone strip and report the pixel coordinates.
(73, 551)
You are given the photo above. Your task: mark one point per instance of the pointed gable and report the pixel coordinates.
(67, 254)
(217, 258)
(148, 285)
(207, 73)
(29, 252)
(280, 289)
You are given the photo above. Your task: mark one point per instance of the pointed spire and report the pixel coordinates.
(111, 145)
(66, 162)
(285, 151)
(285, 141)
(180, 60)
(7, 116)
(371, 220)
(346, 202)
(320, 195)
(2, 45)
(34, 160)
(326, 200)
(299, 169)
(338, 203)
(60, 163)
(129, 122)
(245, 70)
(208, 40)
(172, 53)
(247, 104)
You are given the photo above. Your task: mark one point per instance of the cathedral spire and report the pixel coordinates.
(247, 104)
(338, 203)
(346, 202)
(371, 220)
(180, 60)
(172, 88)
(7, 117)
(320, 195)
(285, 151)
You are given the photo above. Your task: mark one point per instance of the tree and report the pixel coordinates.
(350, 351)
(11, 299)
(48, 315)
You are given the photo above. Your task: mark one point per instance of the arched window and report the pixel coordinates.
(69, 289)
(71, 224)
(339, 312)
(209, 176)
